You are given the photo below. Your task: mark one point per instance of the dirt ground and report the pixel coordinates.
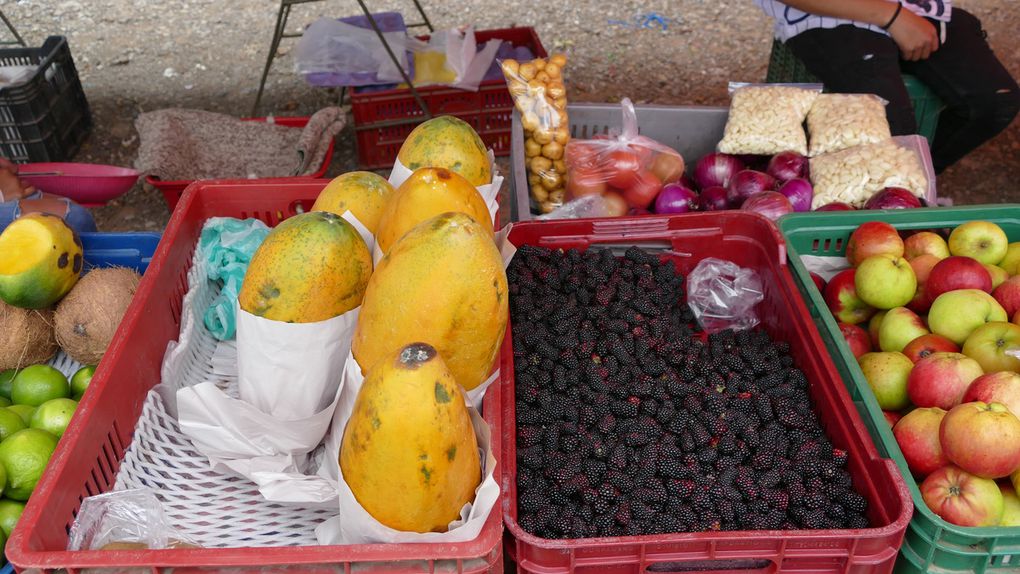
(141, 55)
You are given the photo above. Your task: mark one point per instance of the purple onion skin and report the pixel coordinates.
(771, 204)
(747, 183)
(893, 198)
(714, 199)
(676, 198)
(799, 192)
(787, 165)
(716, 169)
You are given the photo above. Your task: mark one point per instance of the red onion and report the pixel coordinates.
(771, 204)
(787, 165)
(716, 169)
(799, 192)
(714, 199)
(836, 206)
(675, 198)
(893, 198)
(747, 183)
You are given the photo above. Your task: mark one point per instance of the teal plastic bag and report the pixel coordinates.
(226, 247)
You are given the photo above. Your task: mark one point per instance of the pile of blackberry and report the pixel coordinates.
(630, 421)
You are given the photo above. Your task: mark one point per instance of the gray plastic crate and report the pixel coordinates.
(691, 130)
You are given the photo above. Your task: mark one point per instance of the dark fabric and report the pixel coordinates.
(980, 95)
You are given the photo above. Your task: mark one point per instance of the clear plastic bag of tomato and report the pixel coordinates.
(626, 168)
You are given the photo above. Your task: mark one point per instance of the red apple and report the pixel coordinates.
(993, 344)
(961, 498)
(940, 379)
(856, 338)
(917, 433)
(925, 242)
(956, 272)
(922, 266)
(925, 345)
(875, 326)
(892, 417)
(1001, 387)
(819, 282)
(1008, 295)
(873, 238)
(841, 297)
(982, 439)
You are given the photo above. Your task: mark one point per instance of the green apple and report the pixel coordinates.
(998, 274)
(887, 373)
(899, 327)
(885, 281)
(956, 314)
(1011, 506)
(874, 326)
(981, 240)
(991, 344)
(1011, 262)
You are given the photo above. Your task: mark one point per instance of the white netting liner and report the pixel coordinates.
(212, 508)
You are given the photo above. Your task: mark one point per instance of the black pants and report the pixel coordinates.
(980, 95)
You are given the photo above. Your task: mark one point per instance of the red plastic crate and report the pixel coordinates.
(488, 110)
(748, 240)
(88, 456)
(173, 189)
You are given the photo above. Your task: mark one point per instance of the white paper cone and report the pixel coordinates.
(354, 525)
(825, 267)
(366, 235)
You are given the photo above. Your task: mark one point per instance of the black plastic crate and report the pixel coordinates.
(47, 117)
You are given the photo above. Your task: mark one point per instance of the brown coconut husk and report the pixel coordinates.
(26, 337)
(87, 318)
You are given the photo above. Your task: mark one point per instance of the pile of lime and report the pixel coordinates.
(36, 405)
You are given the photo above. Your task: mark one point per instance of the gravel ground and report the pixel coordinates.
(143, 55)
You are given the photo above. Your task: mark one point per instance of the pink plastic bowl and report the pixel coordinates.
(91, 185)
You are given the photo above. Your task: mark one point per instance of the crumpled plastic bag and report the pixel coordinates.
(723, 295)
(123, 520)
(333, 47)
(228, 245)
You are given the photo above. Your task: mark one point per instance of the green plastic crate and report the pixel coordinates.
(785, 67)
(931, 544)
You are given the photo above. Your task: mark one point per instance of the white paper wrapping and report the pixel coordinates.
(825, 267)
(354, 525)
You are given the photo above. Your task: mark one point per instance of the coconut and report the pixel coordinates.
(26, 336)
(87, 318)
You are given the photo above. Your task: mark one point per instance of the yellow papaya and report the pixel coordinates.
(409, 452)
(443, 284)
(362, 192)
(449, 142)
(311, 267)
(427, 193)
(40, 261)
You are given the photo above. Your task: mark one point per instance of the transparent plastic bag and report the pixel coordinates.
(333, 47)
(124, 520)
(723, 295)
(541, 98)
(627, 164)
(589, 206)
(840, 121)
(855, 174)
(766, 119)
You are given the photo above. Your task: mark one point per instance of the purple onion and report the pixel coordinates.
(714, 199)
(676, 198)
(747, 183)
(837, 206)
(771, 204)
(799, 192)
(716, 169)
(787, 165)
(893, 198)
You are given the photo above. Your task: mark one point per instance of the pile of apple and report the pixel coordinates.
(942, 358)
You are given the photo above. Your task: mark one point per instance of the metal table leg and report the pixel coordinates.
(19, 40)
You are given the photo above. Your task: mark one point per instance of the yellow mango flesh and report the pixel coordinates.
(426, 194)
(40, 261)
(409, 452)
(443, 284)
(312, 267)
(363, 193)
(447, 142)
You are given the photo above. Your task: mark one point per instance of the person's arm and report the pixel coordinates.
(915, 36)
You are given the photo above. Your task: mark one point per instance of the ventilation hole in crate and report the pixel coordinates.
(839, 244)
(244, 215)
(826, 245)
(115, 440)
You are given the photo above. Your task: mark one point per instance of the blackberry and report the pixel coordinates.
(814, 500)
(620, 481)
(856, 522)
(776, 498)
(771, 478)
(531, 502)
(531, 457)
(816, 520)
(854, 502)
(763, 460)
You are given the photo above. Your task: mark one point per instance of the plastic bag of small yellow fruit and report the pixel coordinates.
(540, 95)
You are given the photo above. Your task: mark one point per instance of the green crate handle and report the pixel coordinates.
(931, 544)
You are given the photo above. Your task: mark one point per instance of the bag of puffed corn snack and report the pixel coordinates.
(766, 119)
(840, 121)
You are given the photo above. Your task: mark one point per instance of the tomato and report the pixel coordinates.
(580, 154)
(583, 181)
(623, 167)
(668, 167)
(615, 204)
(643, 191)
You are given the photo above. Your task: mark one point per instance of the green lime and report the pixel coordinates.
(10, 422)
(37, 384)
(5, 402)
(10, 512)
(23, 411)
(53, 416)
(3, 544)
(6, 378)
(24, 455)
(80, 380)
